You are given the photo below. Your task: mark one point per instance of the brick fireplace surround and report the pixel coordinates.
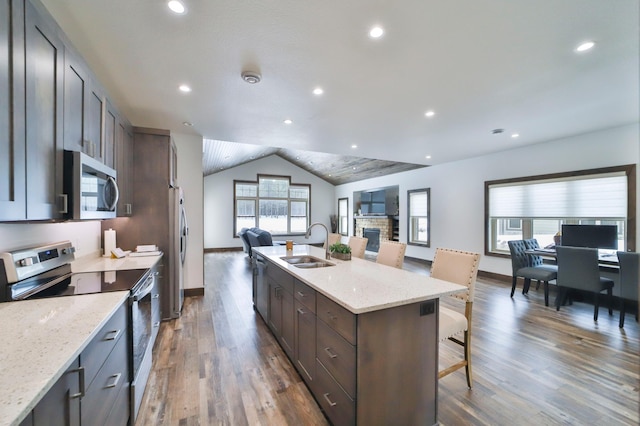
(383, 223)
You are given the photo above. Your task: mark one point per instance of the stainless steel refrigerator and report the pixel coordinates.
(158, 213)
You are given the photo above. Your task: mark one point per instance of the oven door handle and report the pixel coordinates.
(144, 291)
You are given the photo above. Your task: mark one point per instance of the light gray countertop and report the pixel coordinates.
(361, 285)
(41, 338)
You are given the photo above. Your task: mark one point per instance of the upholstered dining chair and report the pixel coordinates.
(629, 277)
(358, 246)
(391, 253)
(578, 269)
(332, 239)
(460, 267)
(530, 267)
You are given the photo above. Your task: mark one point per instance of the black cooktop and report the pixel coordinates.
(85, 283)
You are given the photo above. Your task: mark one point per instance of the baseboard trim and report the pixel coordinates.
(194, 292)
(222, 249)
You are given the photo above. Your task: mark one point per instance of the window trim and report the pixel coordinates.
(428, 192)
(257, 201)
(628, 169)
(344, 232)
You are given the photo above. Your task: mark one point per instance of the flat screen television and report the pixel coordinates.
(593, 236)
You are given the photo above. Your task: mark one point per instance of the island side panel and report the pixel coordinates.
(397, 377)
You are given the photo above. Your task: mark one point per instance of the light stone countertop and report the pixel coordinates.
(96, 263)
(361, 285)
(41, 338)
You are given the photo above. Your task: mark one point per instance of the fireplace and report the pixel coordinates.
(373, 236)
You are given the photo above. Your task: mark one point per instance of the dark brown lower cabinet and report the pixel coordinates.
(61, 405)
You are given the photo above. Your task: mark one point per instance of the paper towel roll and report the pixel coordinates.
(109, 242)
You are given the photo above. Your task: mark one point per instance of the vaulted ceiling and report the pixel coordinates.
(478, 65)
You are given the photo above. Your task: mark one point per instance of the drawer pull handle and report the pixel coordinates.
(116, 333)
(331, 354)
(331, 403)
(301, 294)
(331, 317)
(116, 379)
(80, 394)
(301, 311)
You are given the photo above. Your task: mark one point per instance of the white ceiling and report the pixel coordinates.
(479, 64)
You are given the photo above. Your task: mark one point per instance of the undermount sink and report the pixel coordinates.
(306, 261)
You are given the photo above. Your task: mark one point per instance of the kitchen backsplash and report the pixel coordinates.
(85, 236)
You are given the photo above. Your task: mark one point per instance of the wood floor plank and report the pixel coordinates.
(220, 365)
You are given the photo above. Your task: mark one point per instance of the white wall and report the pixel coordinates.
(218, 199)
(85, 235)
(457, 188)
(190, 179)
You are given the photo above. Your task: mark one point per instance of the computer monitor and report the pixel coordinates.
(594, 236)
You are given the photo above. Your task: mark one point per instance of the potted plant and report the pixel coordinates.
(340, 251)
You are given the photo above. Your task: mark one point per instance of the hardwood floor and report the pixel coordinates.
(219, 364)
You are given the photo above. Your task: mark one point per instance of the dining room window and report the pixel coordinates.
(538, 206)
(272, 203)
(418, 217)
(343, 216)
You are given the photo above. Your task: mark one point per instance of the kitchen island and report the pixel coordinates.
(363, 336)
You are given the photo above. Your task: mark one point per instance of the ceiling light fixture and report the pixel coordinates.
(251, 77)
(318, 91)
(184, 88)
(176, 7)
(187, 123)
(429, 114)
(287, 121)
(585, 46)
(428, 157)
(376, 32)
(354, 146)
(515, 135)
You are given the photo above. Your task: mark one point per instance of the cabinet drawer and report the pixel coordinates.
(102, 394)
(338, 356)
(305, 295)
(280, 277)
(336, 404)
(100, 347)
(337, 317)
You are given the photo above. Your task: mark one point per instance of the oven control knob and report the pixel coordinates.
(27, 261)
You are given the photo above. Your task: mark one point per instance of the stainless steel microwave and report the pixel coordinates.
(90, 187)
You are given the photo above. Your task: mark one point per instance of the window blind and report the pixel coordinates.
(418, 204)
(584, 197)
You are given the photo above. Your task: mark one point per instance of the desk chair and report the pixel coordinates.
(458, 267)
(629, 278)
(358, 246)
(530, 267)
(391, 253)
(578, 269)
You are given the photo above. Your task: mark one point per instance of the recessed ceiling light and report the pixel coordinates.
(427, 157)
(515, 135)
(585, 46)
(176, 7)
(429, 114)
(354, 146)
(318, 91)
(187, 123)
(251, 77)
(354, 167)
(287, 121)
(184, 88)
(376, 32)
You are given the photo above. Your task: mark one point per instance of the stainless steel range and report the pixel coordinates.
(45, 271)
